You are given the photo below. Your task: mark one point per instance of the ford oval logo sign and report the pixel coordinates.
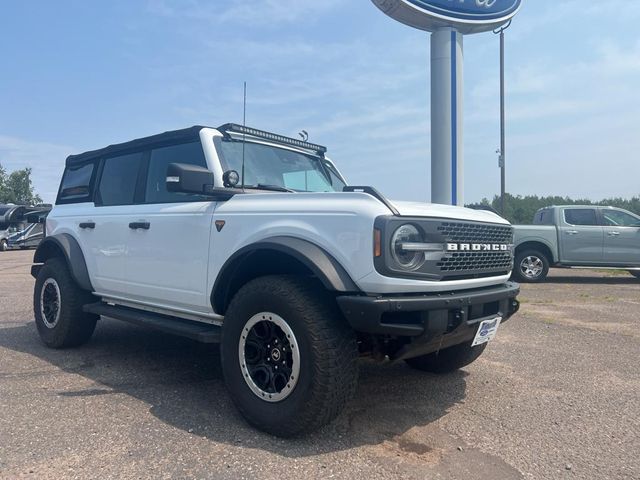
(468, 16)
(471, 10)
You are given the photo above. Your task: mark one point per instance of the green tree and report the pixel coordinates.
(3, 180)
(520, 210)
(17, 187)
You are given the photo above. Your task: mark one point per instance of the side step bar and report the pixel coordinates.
(200, 332)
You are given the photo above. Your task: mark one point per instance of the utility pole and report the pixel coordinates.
(503, 147)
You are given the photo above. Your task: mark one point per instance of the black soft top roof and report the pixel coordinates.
(192, 133)
(173, 136)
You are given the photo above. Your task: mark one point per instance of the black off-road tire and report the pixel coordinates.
(3, 245)
(519, 274)
(447, 360)
(635, 273)
(327, 347)
(71, 326)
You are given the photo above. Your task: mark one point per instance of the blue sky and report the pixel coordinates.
(80, 75)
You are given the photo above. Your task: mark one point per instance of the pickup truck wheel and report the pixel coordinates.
(635, 273)
(3, 246)
(288, 357)
(530, 266)
(447, 360)
(57, 304)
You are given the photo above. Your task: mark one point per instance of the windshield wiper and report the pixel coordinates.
(272, 188)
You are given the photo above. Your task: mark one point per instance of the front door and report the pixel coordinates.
(167, 239)
(581, 236)
(621, 238)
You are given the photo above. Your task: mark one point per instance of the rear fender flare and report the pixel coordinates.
(64, 245)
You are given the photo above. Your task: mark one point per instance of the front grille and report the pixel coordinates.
(466, 261)
(476, 232)
(475, 264)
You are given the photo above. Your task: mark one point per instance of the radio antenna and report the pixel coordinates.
(244, 124)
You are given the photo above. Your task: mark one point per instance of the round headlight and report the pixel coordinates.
(406, 258)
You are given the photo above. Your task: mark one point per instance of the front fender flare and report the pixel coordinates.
(322, 264)
(66, 246)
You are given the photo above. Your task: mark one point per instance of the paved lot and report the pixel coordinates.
(556, 396)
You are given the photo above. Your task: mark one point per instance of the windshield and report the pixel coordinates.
(267, 165)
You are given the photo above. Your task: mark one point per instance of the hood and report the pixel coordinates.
(434, 210)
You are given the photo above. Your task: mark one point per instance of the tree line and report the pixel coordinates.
(16, 187)
(521, 209)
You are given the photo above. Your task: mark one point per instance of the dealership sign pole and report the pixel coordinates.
(448, 21)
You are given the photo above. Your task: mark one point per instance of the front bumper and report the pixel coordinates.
(431, 321)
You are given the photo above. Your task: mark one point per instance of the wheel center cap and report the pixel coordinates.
(275, 355)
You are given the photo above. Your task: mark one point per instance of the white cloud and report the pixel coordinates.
(268, 13)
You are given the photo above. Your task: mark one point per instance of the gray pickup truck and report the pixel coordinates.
(577, 236)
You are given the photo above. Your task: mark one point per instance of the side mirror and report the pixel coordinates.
(183, 178)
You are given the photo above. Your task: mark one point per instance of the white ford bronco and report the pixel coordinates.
(252, 240)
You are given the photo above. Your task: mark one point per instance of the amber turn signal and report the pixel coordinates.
(377, 243)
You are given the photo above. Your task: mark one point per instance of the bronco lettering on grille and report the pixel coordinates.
(478, 247)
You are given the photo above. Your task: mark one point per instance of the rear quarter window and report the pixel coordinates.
(543, 217)
(76, 185)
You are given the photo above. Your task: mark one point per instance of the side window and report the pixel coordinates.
(306, 181)
(189, 153)
(580, 216)
(118, 180)
(546, 217)
(76, 183)
(538, 218)
(616, 218)
(37, 229)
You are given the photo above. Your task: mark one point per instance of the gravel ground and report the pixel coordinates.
(555, 396)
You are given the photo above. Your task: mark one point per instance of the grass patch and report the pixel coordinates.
(616, 273)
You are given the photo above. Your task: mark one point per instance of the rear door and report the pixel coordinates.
(621, 237)
(167, 237)
(104, 230)
(581, 236)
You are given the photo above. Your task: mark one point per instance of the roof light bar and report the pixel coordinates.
(253, 132)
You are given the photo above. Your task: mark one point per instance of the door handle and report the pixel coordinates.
(572, 232)
(139, 225)
(613, 234)
(85, 225)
